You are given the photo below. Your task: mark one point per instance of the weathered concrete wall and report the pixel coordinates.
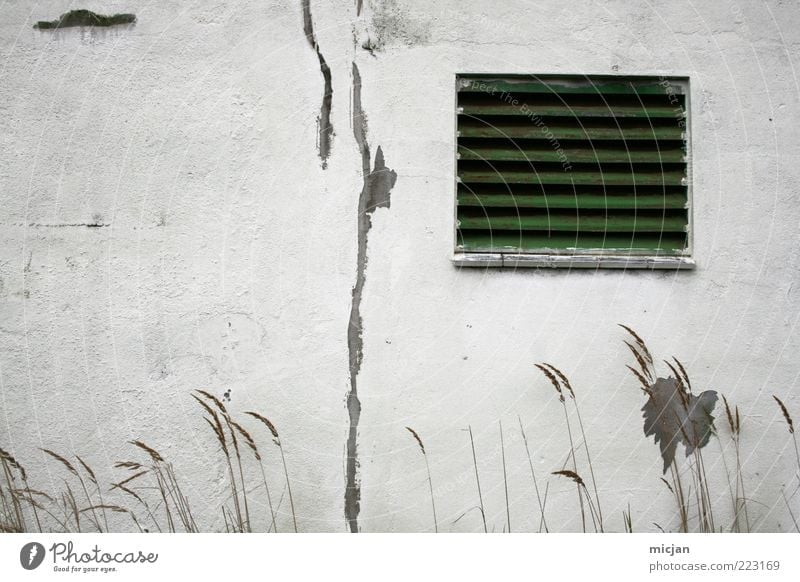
(173, 218)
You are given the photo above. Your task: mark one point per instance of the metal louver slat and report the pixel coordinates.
(567, 84)
(579, 200)
(501, 129)
(558, 221)
(566, 110)
(482, 241)
(599, 177)
(589, 152)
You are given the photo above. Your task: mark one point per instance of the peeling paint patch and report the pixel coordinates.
(390, 24)
(85, 18)
(375, 193)
(324, 127)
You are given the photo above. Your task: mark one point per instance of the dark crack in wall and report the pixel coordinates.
(375, 193)
(324, 127)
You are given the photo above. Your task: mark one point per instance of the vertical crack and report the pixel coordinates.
(324, 127)
(375, 193)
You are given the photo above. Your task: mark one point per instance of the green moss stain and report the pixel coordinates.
(85, 18)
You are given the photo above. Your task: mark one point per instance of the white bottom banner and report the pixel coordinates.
(407, 557)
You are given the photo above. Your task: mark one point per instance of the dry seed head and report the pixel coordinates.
(683, 371)
(129, 479)
(419, 440)
(129, 492)
(61, 460)
(572, 475)
(247, 438)
(553, 380)
(786, 414)
(6, 456)
(204, 404)
(220, 433)
(88, 470)
(69, 495)
(217, 428)
(639, 359)
(681, 391)
(214, 399)
(639, 341)
(645, 385)
(563, 378)
(115, 508)
(149, 450)
(678, 377)
(267, 423)
(729, 415)
(216, 425)
(234, 440)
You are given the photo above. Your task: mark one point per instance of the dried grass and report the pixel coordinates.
(277, 440)
(428, 468)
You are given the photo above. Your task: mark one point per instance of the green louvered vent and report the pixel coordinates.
(572, 165)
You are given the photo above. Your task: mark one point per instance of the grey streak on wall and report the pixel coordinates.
(375, 193)
(324, 127)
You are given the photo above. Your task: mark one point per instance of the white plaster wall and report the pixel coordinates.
(228, 254)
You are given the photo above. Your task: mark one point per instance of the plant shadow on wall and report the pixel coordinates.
(150, 497)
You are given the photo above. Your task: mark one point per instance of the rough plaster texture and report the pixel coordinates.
(166, 225)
